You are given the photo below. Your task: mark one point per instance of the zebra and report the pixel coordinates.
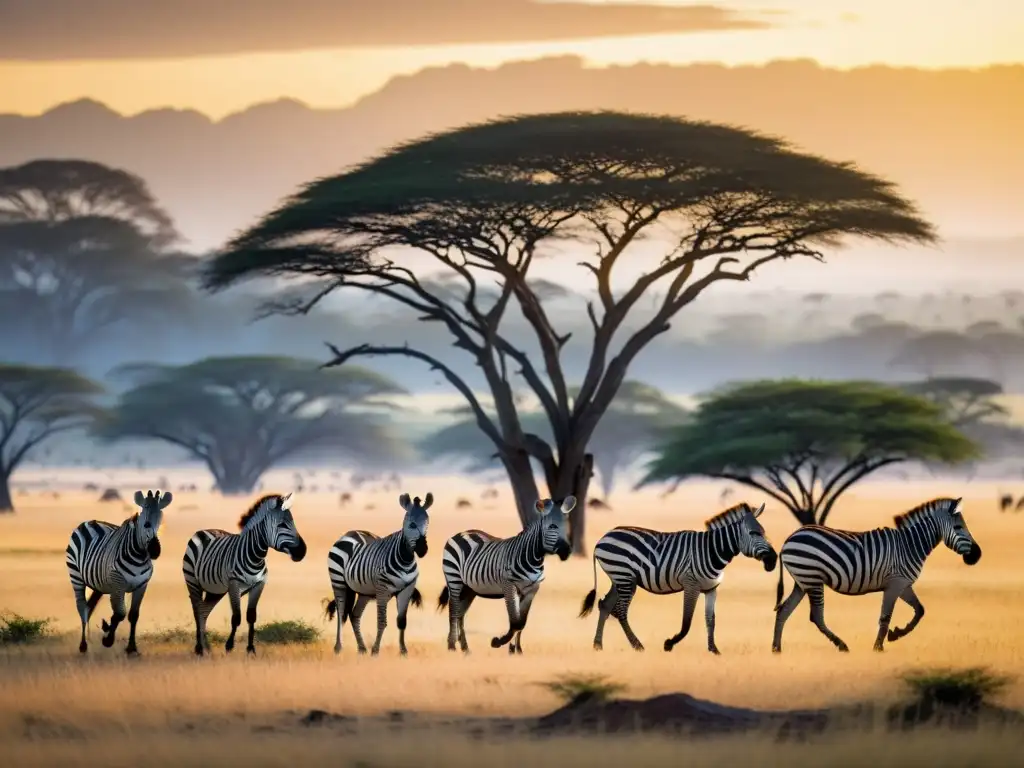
(217, 563)
(665, 563)
(362, 566)
(477, 564)
(114, 560)
(886, 560)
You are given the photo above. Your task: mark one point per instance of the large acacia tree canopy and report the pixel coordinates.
(458, 189)
(805, 442)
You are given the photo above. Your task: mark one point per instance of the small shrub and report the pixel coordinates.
(955, 687)
(18, 630)
(586, 687)
(287, 633)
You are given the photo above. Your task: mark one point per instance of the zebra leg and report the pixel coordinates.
(621, 612)
(340, 598)
(250, 615)
(817, 597)
(205, 609)
(466, 600)
(512, 606)
(783, 614)
(910, 598)
(85, 609)
(403, 608)
(117, 616)
(133, 617)
(195, 596)
(710, 598)
(383, 596)
(889, 598)
(516, 646)
(604, 608)
(235, 597)
(690, 596)
(356, 618)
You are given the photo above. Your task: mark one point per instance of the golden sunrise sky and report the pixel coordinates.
(172, 54)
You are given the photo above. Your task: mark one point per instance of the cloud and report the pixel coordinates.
(53, 30)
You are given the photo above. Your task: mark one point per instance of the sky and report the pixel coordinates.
(221, 57)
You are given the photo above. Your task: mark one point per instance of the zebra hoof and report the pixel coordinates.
(519, 650)
(199, 650)
(598, 646)
(362, 651)
(776, 649)
(403, 651)
(495, 642)
(132, 651)
(511, 650)
(375, 651)
(250, 651)
(893, 635)
(843, 647)
(108, 641)
(714, 651)
(669, 645)
(879, 648)
(83, 647)
(337, 650)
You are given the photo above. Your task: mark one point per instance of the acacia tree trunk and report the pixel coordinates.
(235, 480)
(574, 479)
(6, 503)
(524, 485)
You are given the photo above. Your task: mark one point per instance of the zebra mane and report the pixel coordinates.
(732, 515)
(921, 512)
(251, 513)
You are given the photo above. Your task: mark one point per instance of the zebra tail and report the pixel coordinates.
(442, 600)
(330, 608)
(416, 599)
(779, 590)
(588, 601)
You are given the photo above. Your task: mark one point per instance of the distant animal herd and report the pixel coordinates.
(117, 560)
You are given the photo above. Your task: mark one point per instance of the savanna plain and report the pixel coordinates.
(169, 708)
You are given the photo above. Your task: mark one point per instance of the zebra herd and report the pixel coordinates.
(117, 560)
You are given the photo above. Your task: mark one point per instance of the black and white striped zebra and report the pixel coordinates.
(363, 566)
(477, 564)
(886, 560)
(115, 560)
(663, 563)
(219, 563)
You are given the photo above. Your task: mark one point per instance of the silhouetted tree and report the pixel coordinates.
(935, 351)
(964, 400)
(242, 415)
(804, 443)
(635, 418)
(36, 404)
(486, 201)
(82, 247)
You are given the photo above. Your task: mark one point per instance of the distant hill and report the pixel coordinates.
(951, 138)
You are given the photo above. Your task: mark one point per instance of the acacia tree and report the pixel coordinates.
(243, 415)
(805, 443)
(483, 203)
(82, 247)
(36, 404)
(965, 400)
(634, 420)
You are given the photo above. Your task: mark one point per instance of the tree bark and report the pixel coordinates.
(6, 502)
(234, 481)
(574, 479)
(524, 486)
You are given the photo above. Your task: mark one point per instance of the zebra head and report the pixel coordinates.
(414, 527)
(554, 526)
(149, 519)
(954, 530)
(282, 534)
(753, 542)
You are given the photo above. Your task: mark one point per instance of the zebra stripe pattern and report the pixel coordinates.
(363, 566)
(219, 563)
(115, 560)
(476, 564)
(886, 560)
(691, 562)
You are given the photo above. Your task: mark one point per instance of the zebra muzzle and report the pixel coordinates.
(973, 555)
(769, 559)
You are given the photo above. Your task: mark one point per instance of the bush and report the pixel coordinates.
(18, 630)
(182, 636)
(287, 633)
(583, 687)
(955, 687)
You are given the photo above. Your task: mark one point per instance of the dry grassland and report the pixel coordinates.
(173, 709)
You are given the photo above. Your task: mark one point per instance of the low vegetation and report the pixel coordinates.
(288, 632)
(962, 688)
(16, 629)
(579, 687)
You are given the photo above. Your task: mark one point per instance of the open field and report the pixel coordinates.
(168, 708)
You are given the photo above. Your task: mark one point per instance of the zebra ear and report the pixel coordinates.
(540, 506)
(166, 499)
(428, 500)
(758, 511)
(139, 498)
(956, 505)
(405, 501)
(568, 504)
(286, 501)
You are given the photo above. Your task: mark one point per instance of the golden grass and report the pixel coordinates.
(974, 618)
